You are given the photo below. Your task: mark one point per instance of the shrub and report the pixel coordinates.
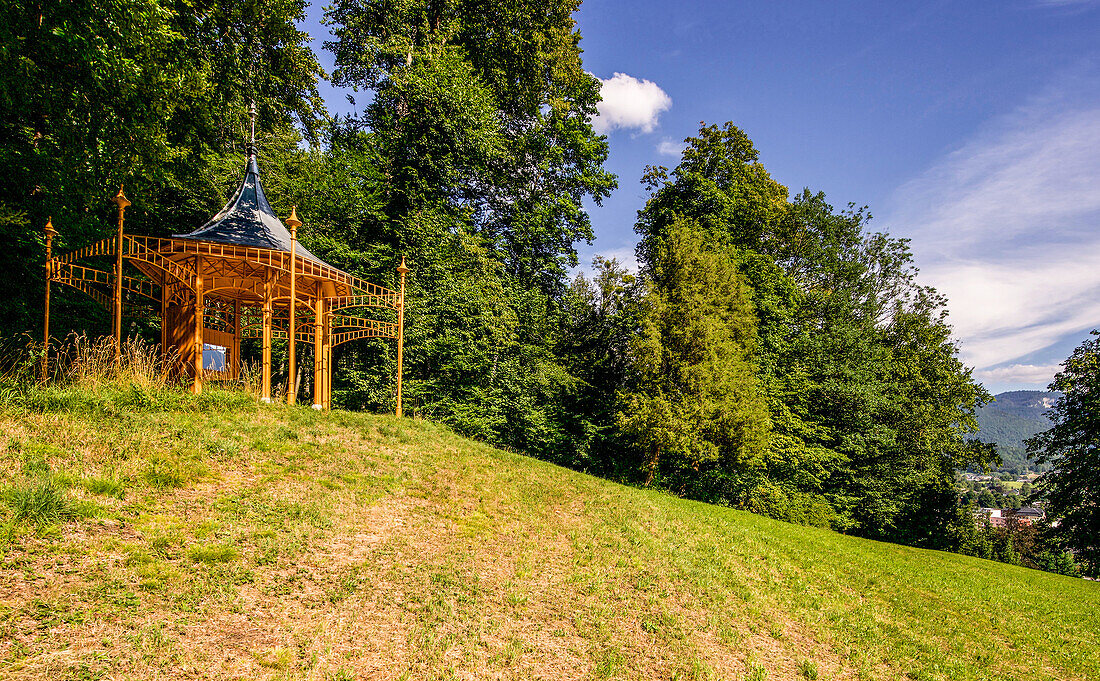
(771, 500)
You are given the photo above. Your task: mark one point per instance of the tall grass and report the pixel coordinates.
(85, 375)
(86, 362)
(91, 363)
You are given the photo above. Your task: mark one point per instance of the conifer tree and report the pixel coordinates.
(698, 414)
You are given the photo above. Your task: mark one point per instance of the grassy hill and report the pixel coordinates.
(1012, 418)
(148, 535)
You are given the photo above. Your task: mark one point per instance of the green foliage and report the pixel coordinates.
(601, 318)
(1071, 489)
(117, 400)
(40, 503)
(790, 505)
(867, 403)
(698, 414)
(109, 487)
(472, 159)
(503, 82)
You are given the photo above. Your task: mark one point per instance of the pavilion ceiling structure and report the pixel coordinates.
(233, 278)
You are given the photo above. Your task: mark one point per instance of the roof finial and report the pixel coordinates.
(252, 115)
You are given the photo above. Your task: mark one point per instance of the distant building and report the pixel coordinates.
(994, 517)
(1029, 514)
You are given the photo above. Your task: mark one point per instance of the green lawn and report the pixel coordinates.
(148, 537)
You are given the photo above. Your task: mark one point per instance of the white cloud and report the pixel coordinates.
(630, 103)
(1019, 373)
(668, 147)
(1006, 226)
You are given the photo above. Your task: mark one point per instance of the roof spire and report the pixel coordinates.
(252, 116)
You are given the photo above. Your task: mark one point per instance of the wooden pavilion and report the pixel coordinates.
(241, 275)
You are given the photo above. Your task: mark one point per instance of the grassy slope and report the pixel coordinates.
(281, 543)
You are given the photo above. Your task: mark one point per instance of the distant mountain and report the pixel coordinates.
(1012, 418)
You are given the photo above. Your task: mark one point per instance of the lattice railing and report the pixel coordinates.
(87, 278)
(346, 328)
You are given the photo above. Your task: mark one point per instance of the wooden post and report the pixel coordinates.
(291, 387)
(163, 316)
(50, 233)
(116, 299)
(327, 376)
(200, 310)
(400, 329)
(265, 389)
(318, 349)
(236, 349)
(165, 297)
(326, 358)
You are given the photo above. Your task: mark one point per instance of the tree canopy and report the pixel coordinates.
(1071, 489)
(868, 403)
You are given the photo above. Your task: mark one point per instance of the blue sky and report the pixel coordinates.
(972, 128)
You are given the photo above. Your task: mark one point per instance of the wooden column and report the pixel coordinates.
(326, 357)
(236, 349)
(200, 310)
(116, 299)
(291, 384)
(265, 389)
(327, 372)
(163, 317)
(318, 349)
(165, 298)
(402, 270)
(50, 233)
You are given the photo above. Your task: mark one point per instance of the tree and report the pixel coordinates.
(1072, 446)
(480, 130)
(721, 185)
(535, 155)
(868, 403)
(698, 415)
(601, 316)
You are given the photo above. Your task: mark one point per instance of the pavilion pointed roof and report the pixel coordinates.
(248, 220)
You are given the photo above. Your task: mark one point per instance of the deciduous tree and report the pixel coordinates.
(1071, 489)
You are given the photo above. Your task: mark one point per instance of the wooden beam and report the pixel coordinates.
(165, 298)
(291, 384)
(236, 348)
(327, 369)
